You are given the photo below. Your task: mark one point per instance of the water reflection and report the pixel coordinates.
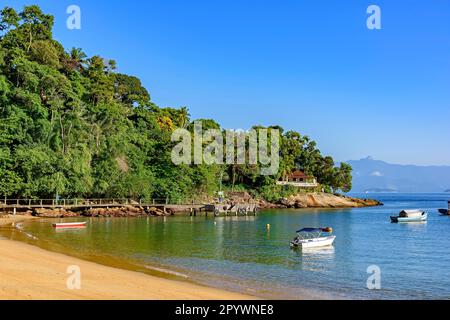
(324, 252)
(71, 230)
(242, 251)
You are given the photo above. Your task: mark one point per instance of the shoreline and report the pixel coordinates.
(316, 200)
(31, 273)
(160, 281)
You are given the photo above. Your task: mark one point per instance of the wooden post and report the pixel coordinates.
(41, 203)
(14, 211)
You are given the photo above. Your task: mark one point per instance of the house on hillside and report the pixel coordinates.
(298, 179)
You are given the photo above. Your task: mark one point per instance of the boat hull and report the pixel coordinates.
(444, 212)
(409, 219)
(72, 225)
(313, 243)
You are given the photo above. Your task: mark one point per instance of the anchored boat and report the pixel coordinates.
(445, 212)
(313, 238)
(70, 225)
(410, 216)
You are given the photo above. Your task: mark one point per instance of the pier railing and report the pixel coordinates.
(77, 202)
(15, 205)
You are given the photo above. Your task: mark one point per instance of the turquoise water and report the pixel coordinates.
(241, 254)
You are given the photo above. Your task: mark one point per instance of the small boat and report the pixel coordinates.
(445, 212)
(70, 225)
(410, 216)
(313, 238)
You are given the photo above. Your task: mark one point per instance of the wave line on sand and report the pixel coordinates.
(174, 273)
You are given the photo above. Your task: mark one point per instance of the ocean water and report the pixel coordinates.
(241, 254)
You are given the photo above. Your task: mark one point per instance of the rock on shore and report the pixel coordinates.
(128, 211)
(303, 200)
(115, 212)
(53, 213)
(326, 200)
(300, 200)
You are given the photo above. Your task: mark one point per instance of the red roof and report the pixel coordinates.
(298, 174)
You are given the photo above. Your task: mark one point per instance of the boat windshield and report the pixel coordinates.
(309, 233)
(309, 230)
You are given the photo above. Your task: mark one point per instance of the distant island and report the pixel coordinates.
(447, 190)
(371, 175)
(380, 190)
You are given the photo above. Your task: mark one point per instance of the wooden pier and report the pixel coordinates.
(15, 205)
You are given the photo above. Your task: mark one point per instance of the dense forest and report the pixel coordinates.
(71, 126)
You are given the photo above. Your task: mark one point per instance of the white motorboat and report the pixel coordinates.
(410, 216)
(313, 238)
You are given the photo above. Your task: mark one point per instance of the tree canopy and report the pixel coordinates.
(70, 125)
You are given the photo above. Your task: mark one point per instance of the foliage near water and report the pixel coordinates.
(70, 125)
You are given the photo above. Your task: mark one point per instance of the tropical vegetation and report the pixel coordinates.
(72, 126)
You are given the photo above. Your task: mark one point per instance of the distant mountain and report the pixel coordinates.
(371, 175)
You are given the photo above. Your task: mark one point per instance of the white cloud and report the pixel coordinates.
(376, 174)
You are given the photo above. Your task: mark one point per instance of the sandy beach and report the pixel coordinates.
(10, 219)
(28, 272)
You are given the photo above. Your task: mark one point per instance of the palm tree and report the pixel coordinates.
(77, 58)
(183, 117)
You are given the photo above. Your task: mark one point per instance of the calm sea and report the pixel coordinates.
(241, 254)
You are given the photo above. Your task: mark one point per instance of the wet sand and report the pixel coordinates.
(28, 272)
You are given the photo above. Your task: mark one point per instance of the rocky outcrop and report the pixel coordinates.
(128, 211)
(239, 197)
(326, 200)
(53, 213)
(303, 200)
(300, 200)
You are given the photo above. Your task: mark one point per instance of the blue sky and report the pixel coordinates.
(312, 66)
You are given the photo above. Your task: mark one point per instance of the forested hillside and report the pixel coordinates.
(71, 126)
